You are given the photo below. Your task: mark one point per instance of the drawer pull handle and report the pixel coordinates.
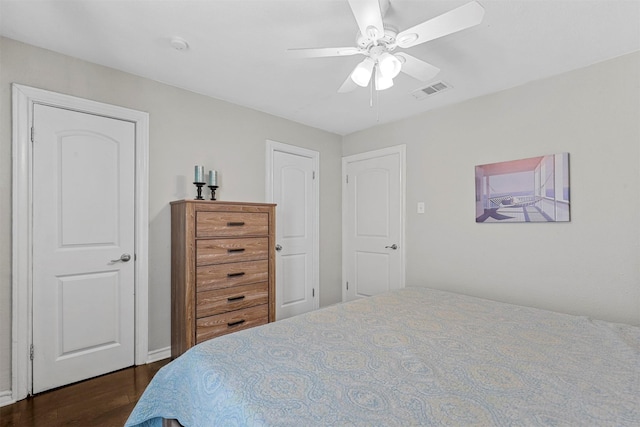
(231, 299)
(235, 224)
(235, 250)
(235, 274)
(239, 322)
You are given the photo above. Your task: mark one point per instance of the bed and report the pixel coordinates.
(416, 356)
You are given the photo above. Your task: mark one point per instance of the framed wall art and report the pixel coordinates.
(526, 190)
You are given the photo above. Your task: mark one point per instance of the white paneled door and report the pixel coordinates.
(294, 192)
(373, 216)
(83, 242)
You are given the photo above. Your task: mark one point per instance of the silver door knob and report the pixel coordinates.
(278, 248)
(123, 258)
(394, 247)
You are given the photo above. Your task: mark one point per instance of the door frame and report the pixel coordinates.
(23, 100)
(271, 148)
(396, 149)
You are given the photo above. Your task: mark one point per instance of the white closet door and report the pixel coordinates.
(293, 192)
(83, 225)
(373, 218)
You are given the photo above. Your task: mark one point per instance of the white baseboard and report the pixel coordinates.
(156, 355)
(6, 398)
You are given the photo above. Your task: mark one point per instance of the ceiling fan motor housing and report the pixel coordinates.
(388, 40)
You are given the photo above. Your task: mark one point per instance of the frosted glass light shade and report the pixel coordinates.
(362, 73)
(382, 82)
(389, 65)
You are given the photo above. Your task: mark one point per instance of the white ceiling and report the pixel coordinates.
(238, 48)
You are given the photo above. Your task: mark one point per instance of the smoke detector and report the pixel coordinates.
(178, 43)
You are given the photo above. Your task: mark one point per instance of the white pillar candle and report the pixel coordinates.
(213, 178)
(198, 175)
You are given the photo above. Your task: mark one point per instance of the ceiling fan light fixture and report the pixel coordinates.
(361, 75)
(389, 65)
(382, 82)
(378, 43)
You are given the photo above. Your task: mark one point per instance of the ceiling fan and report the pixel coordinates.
(377, 42)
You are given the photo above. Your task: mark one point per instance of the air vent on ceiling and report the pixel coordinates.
(430, 90)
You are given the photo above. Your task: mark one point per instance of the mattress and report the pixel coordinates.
(415, 356)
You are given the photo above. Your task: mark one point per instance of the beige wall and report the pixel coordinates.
(185, 129)
(589, 266)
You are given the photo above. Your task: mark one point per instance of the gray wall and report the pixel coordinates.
(185, 129)
(588, 266)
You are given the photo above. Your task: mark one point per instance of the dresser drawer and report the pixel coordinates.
(220, 276)
(221, 301)
(224, 224)
(218, 251)
(213, 326)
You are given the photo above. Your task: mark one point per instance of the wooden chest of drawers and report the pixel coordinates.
(222, 269)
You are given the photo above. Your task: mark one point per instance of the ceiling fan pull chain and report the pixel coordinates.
(371, 94)
(377, 106)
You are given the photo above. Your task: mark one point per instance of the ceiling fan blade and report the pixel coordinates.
(322, 52)
(348, 86)
(450, 22)
(384, 7)
(369, 17)
(417, 68)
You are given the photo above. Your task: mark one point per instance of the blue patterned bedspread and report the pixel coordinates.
(414, 357)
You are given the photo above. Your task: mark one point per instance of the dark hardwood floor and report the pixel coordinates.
(103, 401)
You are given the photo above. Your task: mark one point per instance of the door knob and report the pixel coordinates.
(123, 258)
(394, 247)
(278, 248)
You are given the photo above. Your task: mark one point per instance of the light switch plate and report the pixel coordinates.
(420, 207)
